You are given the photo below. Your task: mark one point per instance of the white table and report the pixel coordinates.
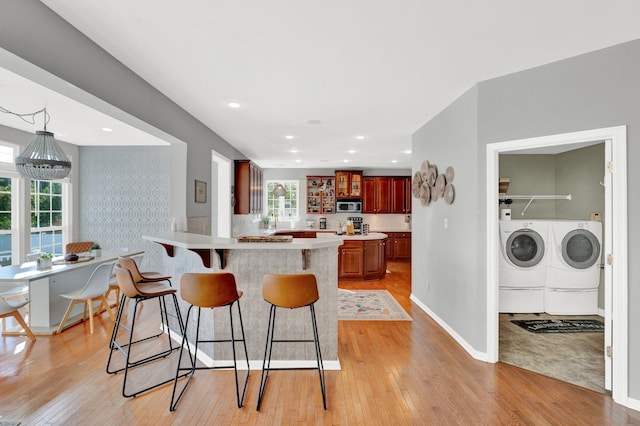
(46, 307)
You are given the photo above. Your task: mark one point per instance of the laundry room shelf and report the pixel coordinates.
(533, 197)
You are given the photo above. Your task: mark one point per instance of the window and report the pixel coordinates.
(286, 206)
(46, 217)
(6, 221)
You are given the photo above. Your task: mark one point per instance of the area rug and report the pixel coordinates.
(561, 325)
(369, 305)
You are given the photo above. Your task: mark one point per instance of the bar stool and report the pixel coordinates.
(131, 264)
(290, 291)
(206, 290)
(130, 289)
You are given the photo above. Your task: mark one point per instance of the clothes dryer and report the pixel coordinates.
(573, 274)
(523, 265)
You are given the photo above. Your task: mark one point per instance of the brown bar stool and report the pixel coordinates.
(206, 290)
(290, 291)
(130, 289)
(145, 278)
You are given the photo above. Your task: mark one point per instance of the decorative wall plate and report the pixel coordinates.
(441, 182)
(449, 193)
(416, 184)
(431, 175)
(425, 195)
(449, 174)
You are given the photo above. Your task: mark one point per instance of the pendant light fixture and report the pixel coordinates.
(279, 190)
(43, 158)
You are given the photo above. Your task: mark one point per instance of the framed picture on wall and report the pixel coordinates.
(201, 191)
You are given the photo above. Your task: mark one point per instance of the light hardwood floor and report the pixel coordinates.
(392, 373)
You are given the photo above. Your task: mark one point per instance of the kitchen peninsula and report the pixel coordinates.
(249, 262)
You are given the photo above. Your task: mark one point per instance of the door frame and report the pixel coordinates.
(616, 279)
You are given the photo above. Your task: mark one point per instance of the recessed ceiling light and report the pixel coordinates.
(107, 129)
(298, 160)
(234, 105)
(360, 137)
(352, 151)
(408, 151)
(288, 137)
(394, 161)
(293, 151)
(312, 122)
(345, 161)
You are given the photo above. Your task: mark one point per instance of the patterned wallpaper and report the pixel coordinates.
(124, 194)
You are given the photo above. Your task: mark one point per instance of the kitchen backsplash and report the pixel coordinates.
(247, 224)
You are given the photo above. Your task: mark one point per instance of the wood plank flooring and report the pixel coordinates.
(405, 372)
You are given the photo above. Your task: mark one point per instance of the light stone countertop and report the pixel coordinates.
(198, 241)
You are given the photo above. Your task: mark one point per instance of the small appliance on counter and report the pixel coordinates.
(310, 223)
(357, 224)
(365, 229)
(323, 222)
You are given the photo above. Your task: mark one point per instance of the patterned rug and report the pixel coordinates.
(369, 305)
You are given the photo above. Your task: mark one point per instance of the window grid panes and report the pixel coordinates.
(285, 207)
(46, 217)
(6, 233)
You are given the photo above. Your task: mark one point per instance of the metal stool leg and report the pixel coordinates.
(316, 340)
(191, 370)
(266, 361)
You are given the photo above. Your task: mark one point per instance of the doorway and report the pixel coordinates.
(220, 196)
(615, 230)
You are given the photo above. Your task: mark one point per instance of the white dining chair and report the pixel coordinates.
(95, 289)
(11, 309)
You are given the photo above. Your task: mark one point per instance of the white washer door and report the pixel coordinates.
(580, 249)
(525, 248)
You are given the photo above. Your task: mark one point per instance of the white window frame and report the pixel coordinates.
(281, 207)
(21, 208)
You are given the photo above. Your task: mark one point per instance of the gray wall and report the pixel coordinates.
(449, 276)
(591, 91)
(577, 172)
(62, 50)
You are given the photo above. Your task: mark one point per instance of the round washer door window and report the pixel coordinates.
(580, 249)
(525, 248)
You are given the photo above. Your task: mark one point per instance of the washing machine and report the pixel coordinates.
(523, 265)
(573, 275)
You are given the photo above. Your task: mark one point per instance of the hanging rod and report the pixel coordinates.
(533, 197)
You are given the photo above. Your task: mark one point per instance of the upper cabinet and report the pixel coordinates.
(321, 194)
(248, 188)
(377, 195)
(348, 184)
(401, 195)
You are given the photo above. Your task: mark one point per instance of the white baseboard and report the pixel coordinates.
(481, 356)
(633, 403)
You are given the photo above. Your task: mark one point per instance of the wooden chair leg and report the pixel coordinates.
(24, 325)
(107, 308)
(90, 303)
(66, 316)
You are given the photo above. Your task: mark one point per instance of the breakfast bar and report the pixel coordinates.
(249, 261)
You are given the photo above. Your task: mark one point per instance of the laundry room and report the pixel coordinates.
(551, 237)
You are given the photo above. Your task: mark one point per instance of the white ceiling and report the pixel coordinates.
(374, 68)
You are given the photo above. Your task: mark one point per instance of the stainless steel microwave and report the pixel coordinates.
(349, 206)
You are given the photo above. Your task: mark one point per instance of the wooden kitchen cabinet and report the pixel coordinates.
(375, 261)
(401, 195)
(248, 188)
(362, 260)
(377, 195)
(321, 194)
(348, 184)
(398, 245)
(350, 260)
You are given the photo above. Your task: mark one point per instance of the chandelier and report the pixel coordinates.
(43, 158)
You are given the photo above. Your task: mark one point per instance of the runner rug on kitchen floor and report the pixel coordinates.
(561, 325)
(369, 305)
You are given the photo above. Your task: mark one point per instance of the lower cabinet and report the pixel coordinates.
(298, 234)
(362, 260)
(398, 246)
